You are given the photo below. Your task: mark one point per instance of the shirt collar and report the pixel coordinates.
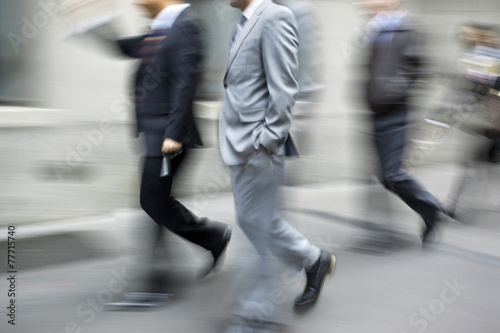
(167, 17)
(251, 8)
(384, 21)
(387, 20)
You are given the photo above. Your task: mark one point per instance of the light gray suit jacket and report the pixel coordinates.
(260, 85)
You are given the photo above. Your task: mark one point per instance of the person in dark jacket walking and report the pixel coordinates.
(393, 67)
(165, 84)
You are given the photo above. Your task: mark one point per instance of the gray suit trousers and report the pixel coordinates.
(256, 186)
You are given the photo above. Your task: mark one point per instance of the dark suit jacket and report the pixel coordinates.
(393, 66)
(165, 82)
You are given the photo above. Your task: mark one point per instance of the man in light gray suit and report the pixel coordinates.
(260, 86)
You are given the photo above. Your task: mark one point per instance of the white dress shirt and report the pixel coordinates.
(251, 8)
(167, 17)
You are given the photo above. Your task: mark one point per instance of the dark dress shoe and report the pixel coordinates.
(218, 254)
(430, 234)
(316, 276)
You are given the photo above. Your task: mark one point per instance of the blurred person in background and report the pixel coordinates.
(260, 87)
(165, 85)
(460, 104)
(393, 66)
(480, 69)
(461, 91)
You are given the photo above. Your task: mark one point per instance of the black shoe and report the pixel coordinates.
(430, 234)
(316, 276)
(218, 254)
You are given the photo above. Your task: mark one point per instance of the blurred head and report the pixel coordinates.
(490, 37)
(154, 7)
(468, 35)
(372, 7)
(240, 4)
(472, 34)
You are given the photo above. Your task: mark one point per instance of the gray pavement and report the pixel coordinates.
(384, 281)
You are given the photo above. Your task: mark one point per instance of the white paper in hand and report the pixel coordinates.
(89, 15)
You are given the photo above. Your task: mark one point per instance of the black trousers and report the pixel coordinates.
(157, 202)
(389, 133)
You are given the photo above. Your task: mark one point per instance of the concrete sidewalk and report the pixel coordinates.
(347, 209)
(376, 288)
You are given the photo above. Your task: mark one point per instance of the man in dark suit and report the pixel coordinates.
(393, 66)
(165, 86)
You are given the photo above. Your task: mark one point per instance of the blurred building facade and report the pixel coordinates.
(66, 115)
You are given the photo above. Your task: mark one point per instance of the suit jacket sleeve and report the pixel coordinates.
(280, 58)
(183, 67)
(130, 46)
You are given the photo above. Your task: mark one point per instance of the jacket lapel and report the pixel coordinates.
(244, 33)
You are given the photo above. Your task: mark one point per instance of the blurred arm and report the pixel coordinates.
(129, 46)
(105, 31)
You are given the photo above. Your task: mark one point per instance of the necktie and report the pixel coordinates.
(239, 26)
(151, 44)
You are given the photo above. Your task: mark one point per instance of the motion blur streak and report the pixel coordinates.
(69, 172)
